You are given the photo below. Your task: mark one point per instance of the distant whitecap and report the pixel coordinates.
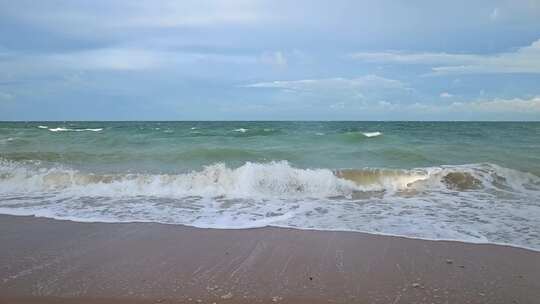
(371, 134)
(74, 130)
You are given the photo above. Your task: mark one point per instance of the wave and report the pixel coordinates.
(480, 203)
(74, 130)
(6, 140)
(356, 136)
(264, 180)
(239, 132)
(42, 127)
(372, 134)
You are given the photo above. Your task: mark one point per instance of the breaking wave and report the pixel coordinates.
(355, 136)
(72, 130)
(480, 203)
(263, 180)
(372, 134)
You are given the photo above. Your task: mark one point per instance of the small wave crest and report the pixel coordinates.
(60, 129)
(6, 140)
(371, 134)
(355, 136)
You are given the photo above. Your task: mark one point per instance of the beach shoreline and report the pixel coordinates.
(54, 261)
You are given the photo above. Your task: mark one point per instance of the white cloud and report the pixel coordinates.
(98, 59)
(77, 18)
(368, 81)
(110, 59)
(445, 95)
(139, 59)
(530, 106)
(522, 60)
(498, 107)
(516, 105)
(336, 93)
(126, 59)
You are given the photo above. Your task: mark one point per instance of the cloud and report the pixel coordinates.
(368, 81)
(114, 59)
(529, 105)
(87, 18)
(492, 109)
(445, 95)
(523, 60)
(336, 93)
(130, 59)
(109, 59)
(516, 105)
(520, 106)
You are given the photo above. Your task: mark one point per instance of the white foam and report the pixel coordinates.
(6, 140)
(413, 203)
(371, 134)
(43, 127)
(241, 130)
(258, 180)
(277, 179)
(60, 129)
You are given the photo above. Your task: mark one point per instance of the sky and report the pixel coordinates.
(269, 60)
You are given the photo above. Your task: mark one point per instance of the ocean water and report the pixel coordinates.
(468, 181)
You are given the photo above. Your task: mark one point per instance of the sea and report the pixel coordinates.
(475, 182)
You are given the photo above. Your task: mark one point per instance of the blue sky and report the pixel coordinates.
(269, 60)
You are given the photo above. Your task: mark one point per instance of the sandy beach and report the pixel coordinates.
(50, 261)
(251, 152)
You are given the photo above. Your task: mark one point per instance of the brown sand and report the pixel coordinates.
(49, 261)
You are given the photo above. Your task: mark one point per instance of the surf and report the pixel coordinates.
(457, 202)
(264, 180)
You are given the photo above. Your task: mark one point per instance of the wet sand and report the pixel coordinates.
(50, 261)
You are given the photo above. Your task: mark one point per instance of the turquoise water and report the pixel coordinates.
(182, 146)
(469, 181)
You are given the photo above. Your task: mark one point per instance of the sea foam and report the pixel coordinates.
(60, 129)
(371, 134)
(265, 180)
(474, 203)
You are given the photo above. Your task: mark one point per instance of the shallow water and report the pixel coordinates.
(468, 181)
